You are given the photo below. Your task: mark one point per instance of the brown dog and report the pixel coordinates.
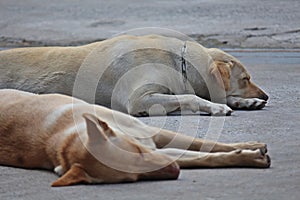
(85, 143)
(146, 75)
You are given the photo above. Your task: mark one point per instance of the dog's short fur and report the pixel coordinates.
(86, 143)
(142, 75)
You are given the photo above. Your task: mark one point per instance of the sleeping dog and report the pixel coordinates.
(86, 143)
(138, 75)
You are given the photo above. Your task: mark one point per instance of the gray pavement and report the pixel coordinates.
(229, 23)
(244, 23)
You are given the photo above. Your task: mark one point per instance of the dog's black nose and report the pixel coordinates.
(264, 97)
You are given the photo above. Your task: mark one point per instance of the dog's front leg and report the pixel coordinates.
(168, 139)
(236, 158)
(245, 103)
(162, 104)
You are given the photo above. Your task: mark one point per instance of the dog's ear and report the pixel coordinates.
(221, 72)
(74, 175)
(97, 129)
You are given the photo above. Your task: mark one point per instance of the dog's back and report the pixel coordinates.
(22, 138)
(17, 147)
(40, 69)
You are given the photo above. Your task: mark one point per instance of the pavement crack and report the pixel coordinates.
(273, 34)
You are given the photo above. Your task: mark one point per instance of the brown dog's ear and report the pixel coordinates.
(221, 72)
(97, 129)
(73, 176)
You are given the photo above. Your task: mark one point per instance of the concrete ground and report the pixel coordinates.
(227, 23)
(259, 24)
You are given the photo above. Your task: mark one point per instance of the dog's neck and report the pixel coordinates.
(64, 149)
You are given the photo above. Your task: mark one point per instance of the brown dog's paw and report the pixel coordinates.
(255, 158)
(263, 160)
(252, 146)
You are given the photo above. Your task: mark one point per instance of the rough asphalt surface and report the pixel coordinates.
(227, 23)
(270, 24)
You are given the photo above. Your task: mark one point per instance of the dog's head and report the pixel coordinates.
(108, 157)
(233, 77)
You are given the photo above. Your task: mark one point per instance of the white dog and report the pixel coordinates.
(145, 75)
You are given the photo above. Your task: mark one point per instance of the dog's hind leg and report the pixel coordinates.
(236, 158)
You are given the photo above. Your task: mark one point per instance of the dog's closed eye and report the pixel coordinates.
(244, 82)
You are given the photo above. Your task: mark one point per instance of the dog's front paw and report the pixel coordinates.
(220, 110)
(254, 104)
(253, 158)
(251, 146)
(59, 170)
(248, 104)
